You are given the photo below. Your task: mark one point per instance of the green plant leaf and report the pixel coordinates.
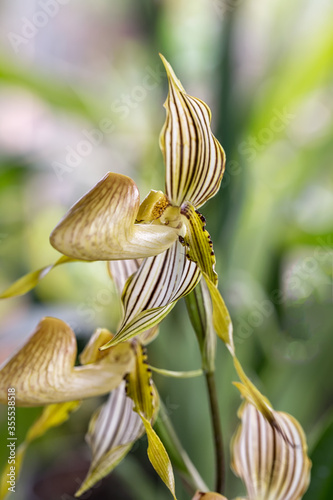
(321, 485)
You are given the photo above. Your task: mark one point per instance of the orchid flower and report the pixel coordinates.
(269, 453)
(165, 230)
(43, 373)
(271, 459)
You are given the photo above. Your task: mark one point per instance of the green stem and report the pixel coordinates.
(176, 452)
(217, 431)
(199, 309)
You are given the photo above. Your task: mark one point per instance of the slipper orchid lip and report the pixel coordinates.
(43, 370)
(101, 225)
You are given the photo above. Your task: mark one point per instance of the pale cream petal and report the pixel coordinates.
(43, 372)
(120, 271)
(194, 158)
(113, 430)
(101, 225)
(271, 459)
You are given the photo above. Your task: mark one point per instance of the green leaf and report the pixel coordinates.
(321, 485)
(56, 93)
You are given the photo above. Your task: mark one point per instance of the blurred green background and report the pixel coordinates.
(81, 93)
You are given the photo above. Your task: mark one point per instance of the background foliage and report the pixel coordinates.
(90, 72)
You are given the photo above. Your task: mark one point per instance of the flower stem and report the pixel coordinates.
(217, 431)
(199, 308)
(178, 455)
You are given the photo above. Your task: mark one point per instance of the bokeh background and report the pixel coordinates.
(81, 93)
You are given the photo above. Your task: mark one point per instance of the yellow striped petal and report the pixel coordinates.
(194, 159)
(140, 388)
(101, 225)
(154, 290)
(113, 430)
(43, 370)
(199, 249)
(139, 385)
(197, 241)
(159, 458)
(273, 463)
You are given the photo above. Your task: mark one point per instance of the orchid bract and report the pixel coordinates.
(157, 251)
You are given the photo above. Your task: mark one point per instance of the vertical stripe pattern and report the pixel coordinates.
(112, 432)
(120, 271)
(271, 460)
(154, 289)
(194, 159)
